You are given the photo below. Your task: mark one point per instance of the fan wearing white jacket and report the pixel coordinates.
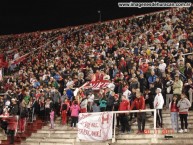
(158, 105)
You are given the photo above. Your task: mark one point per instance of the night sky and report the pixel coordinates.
(27, 16)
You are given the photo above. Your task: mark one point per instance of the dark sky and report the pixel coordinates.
(26, 16)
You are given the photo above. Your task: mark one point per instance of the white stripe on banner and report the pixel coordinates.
(95, 126)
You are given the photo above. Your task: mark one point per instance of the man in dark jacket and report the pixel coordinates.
(143, 83)
(14, 107)
(110, 101)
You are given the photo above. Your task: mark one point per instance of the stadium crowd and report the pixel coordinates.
(147, 61)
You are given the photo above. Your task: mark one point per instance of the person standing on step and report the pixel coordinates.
(84, 104)
(64, 110)
(23, 116)
(116, 108)
(177, 86)
(139, 104)
(158, 105)
(74, 113)
(52, 118)
(48, 106)
(174, 113)
(189, 88)
(169, 90)
(124, 106)
(183, 105)
(110, 101)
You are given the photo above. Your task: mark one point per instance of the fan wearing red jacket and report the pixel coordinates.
(12, 127)
(122, 65)
(64, 110)
(124, 106)
(139, 104)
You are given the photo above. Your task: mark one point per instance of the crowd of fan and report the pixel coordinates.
(138, 54)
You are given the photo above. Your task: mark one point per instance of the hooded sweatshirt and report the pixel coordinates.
(183, 105)
(158, 101)
(74, 110)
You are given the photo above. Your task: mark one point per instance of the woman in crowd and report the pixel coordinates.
(183, 105)
(174, 113)
(52, 118)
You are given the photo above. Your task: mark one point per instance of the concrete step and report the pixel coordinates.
(53, 140)
(160, 131)
(3, 136)
(152, 144)
(148, 122)
(150, 136)
(165, 119)
(133, 126)
(155, 141)
(56, 131)
(51, 143)
(53, 135)
(45, 143)
(134, 129)
(91, 143)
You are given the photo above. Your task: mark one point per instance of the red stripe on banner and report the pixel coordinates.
(95, 85)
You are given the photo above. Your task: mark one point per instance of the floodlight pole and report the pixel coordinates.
(99, 15)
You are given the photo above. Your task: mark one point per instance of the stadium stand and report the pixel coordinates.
(41, 70)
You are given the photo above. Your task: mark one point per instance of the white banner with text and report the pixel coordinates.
(95, 126)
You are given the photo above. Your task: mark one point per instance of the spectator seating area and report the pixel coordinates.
(41, 69)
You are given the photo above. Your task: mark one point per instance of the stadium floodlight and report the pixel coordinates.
(99, 12)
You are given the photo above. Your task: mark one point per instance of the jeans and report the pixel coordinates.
(174, 120)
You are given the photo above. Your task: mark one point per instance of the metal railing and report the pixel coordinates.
(131, 111)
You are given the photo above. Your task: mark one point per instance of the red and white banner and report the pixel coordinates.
(20, 59)
(95, 126)
(96, 85)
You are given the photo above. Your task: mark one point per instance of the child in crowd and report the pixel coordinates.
(74, 113)
(103, 104)
(174, 113)
(52, 118)
(184, 105)
(96, 107)
(64, 110)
